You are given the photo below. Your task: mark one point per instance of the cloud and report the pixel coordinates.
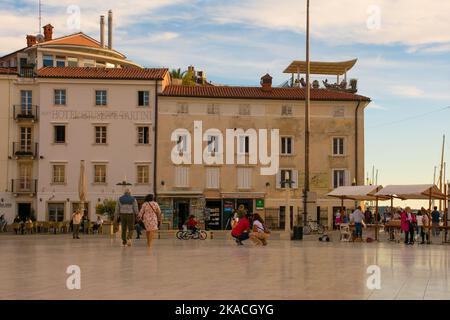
(407, 91)
(375, 106)
(165, 36)
(408, 22)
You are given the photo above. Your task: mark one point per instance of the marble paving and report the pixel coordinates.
(34, 267)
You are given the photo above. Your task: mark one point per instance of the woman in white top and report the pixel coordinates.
(260, 233)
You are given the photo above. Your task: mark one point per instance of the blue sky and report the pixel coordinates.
(404, 60)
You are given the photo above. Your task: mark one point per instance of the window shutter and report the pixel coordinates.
(347, 181)
(294, 179)
(278, 179)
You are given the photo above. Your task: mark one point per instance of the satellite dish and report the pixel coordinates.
(40, 38)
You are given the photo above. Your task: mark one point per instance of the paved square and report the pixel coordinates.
(34, 267)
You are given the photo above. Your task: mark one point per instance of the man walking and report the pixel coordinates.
(435, 215)
(126, 209)
(358, 218)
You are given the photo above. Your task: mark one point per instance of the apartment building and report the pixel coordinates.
(213, 191)
(67, 99)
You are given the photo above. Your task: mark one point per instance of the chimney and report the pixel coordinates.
(102, 31)
(31, 40)
(266, 82)
(110, 29)
(48, 32)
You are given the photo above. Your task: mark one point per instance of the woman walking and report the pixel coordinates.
(150, 215)
(408, 223)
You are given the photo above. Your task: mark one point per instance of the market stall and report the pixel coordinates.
(428, 192)
(360, 193)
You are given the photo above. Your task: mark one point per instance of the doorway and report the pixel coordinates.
(24, 211)
(181, 213)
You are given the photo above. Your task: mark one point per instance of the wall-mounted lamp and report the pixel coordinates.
(162, 182)
(41, 157)
(267, 184)
(40, 199)
(68, 199)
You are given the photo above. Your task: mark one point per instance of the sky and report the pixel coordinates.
(402, 46)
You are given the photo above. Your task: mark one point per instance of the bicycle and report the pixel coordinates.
(199, 234)
(313, 227)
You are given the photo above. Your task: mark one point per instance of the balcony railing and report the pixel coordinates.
(27, 71)
(20, 151)
(24, 186)
(26, 113)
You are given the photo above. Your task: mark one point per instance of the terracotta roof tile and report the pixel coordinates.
(8, 70)
(103, 73)
(258, 93)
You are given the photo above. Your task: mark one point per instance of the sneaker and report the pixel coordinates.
(78, 237)
(124, 243)
(129, 243)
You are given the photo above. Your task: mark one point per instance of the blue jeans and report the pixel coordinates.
(358, 229)
(242, 237)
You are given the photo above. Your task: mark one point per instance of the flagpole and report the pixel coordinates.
(307, 120)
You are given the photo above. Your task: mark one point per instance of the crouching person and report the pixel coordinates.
(241, 231)
(260, 232)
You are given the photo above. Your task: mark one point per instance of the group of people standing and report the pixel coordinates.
(424, 222)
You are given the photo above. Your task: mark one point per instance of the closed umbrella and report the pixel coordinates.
(82, 185)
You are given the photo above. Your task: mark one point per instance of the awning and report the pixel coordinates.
(327, 68)
(359, 193)
(415, 191)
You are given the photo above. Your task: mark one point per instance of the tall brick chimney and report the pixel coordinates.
(266, 82)
(31, 40)
(48, 32)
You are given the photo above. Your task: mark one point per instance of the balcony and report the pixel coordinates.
(26, 113)
(24, 151)
(27, 71)
(24, 187)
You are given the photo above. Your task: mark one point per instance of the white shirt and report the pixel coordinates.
(258, 225)
(419, 220)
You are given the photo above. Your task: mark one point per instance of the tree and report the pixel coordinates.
(177, 73)
(107, 208)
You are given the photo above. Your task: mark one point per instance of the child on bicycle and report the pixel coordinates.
(192, 224)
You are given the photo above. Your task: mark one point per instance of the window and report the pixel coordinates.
(26, 99)
(48, 61)
(212, 178)
(289, 174)
(286, 145)
(338, 146)
(59, 173)
(88, 63)
(213, 144)
(213, 109)
(100, 98)
(25, 175)
(60, 97)
(244, 110)
(100, 173)
(25, 139)
(339, 178)
(182, 108)
(143, 174)
(143, 135)
(60, 61)
(244, 176)
(286, 111)
(244, 144)
(100, 134)
(143, 98)
(182, 143)
(60, 134)
(56, 212)
(72, 62)
(181, 177)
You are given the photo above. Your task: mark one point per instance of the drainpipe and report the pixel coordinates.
(155, 139)
(356, 141)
